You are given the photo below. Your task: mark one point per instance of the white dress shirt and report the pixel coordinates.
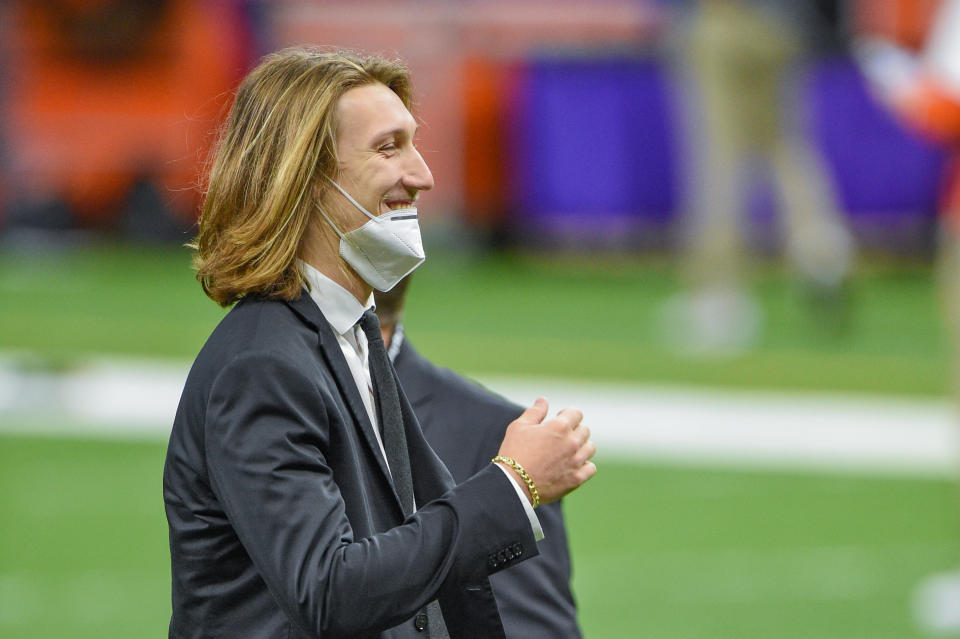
(343, 311)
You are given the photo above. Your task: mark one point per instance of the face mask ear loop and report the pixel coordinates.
(330, 222)
(353, 201)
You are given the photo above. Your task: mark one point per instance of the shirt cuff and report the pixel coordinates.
(521, 493)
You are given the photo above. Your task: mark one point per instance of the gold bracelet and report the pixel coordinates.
(524, 475)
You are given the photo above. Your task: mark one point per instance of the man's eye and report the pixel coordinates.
(386, 148)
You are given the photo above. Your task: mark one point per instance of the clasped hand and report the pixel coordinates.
(555, 452)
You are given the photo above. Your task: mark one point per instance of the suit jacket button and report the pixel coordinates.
(501, 557)
(420, 622)
(518, 549)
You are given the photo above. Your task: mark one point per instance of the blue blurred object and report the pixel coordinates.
(595, 155)
(879, 167)
(593, 148)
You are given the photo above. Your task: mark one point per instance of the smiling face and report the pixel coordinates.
(379, 165)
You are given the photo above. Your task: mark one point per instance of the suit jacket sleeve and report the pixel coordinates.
(266, 430)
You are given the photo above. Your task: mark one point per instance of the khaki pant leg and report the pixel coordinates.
(737, 56)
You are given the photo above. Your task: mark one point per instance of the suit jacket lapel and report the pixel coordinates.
(330, 347)
(430, 476)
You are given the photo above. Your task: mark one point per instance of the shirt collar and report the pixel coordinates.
(396, 341)
(336, 303)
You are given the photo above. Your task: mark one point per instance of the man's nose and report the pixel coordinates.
(418, 175)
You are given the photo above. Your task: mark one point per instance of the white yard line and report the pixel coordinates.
(823, 431)
(828, 431)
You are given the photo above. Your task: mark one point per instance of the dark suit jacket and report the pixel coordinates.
(465, 423)
(283, 518)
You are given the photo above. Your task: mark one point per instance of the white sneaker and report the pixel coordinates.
(711, 321)
(936, 604)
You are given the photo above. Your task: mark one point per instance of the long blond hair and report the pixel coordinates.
(276, 145)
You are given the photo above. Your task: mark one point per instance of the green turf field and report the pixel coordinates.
(659, 552)
(571, 317)
(663, 552)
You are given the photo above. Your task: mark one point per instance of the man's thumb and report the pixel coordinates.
(536, 413)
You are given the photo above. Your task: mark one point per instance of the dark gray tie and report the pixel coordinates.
(395, 440)
(388, 411)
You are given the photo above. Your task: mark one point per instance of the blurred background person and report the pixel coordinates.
(534, 598)
(745, 58)
(909, 50)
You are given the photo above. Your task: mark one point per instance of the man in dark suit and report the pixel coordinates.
(301, 496)
(534, 598)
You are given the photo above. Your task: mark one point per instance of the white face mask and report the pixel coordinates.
(385, 249)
